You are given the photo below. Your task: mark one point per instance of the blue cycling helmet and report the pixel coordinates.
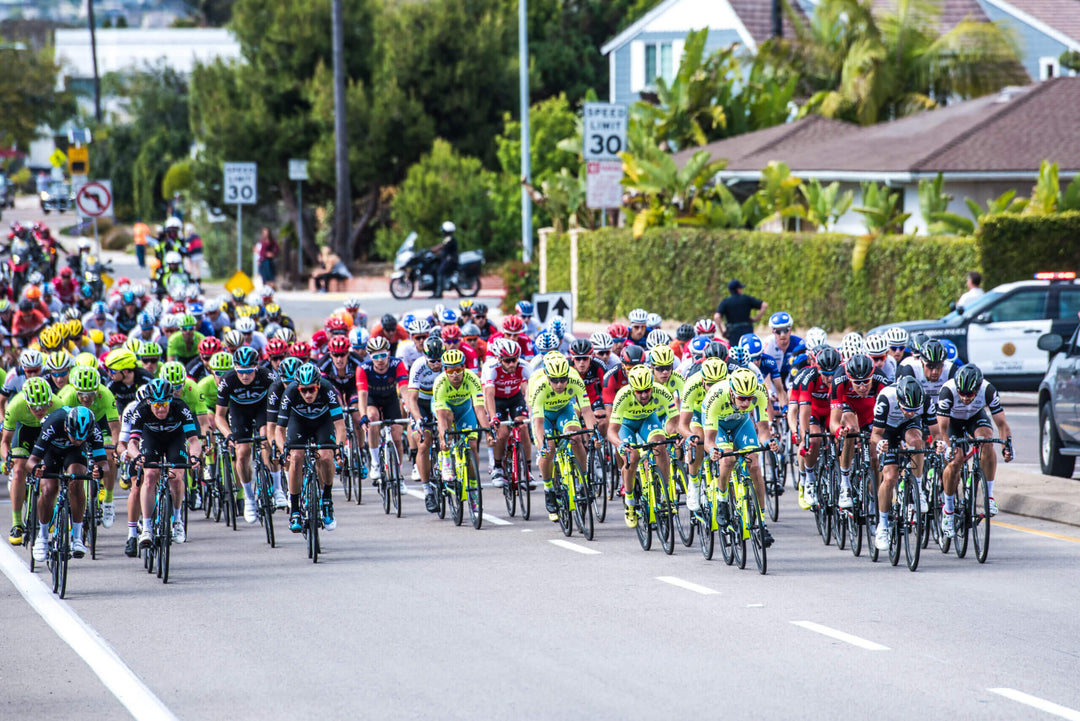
(287, 368)
(307, 374)
(698, 345)
(159, 390)
(524, 308)
(780, 319)
(80, 422)
(407, 318)
(950, 349)
(127, 297)
(245, 357)
(87, 290)
(196, 309)
(557, 326)
(146, 320)
(449, 316)
(738, 356)
(752, 344)
(100, 308)
(546, 342)
(359, 337)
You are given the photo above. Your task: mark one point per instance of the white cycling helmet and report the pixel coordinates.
(897, 336)
(448, 227)
(172, 257)
(638, 316)
(876, 344)
(657, 337)
(245, 324)
(653, 320)
(174, 222)
(601, 341)
(815, 337)
(852, 344)
(169, 321)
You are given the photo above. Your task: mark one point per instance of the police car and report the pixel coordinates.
(1000, 330)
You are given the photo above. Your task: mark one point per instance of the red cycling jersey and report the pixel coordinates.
(814, 391)
(614, 380)
(506, 385)
(843, 396)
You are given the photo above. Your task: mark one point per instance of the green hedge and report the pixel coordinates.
(1015, 247)
(683, 273)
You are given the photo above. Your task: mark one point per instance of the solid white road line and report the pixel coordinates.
(1036, 702)
(128, 688)
(840, 636)
(494, 520)
(687, 585)
(574, 547)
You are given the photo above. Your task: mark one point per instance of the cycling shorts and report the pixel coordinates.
(966, 427)
(56, 461)
(23, 440)
(736, 436)
(513, 407)
(389, 408)
(245, 422)
(561, 421)
(106, 433)
(302, 430)
(172, 450)
(464, 416)
(894, 436)
(642, 430)
(425, 409)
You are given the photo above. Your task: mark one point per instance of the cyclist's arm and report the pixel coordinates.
(684, 422)
(489, 400)
(221, 420)
(5, 443)
(943, 423)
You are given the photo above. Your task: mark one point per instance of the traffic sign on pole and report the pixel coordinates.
(549, 305)
(95, 199)
(240, 183)
(604, 130)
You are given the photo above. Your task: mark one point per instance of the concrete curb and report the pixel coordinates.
(1037, 496)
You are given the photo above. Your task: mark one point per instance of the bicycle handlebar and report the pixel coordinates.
(743, 451)
(311, 444)
(69, 476)
(649, 445)
(394, 422)
(571, 434)
(166, 465)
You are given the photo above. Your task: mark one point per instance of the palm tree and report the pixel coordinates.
(866, 61)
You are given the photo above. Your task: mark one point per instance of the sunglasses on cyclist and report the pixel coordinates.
(340, 355)
(456, 370)
(878, 358)
(452, 341)
(159, 405)
(45, 407)
(781, 331)
(379, 356)
(31, 371)
(862, 382)
(745, 399)
(59, 374)
(307, 390)
(562, 379)
(934, 366)
(245, 371)
(897, 347)
(603, 352)
(582, 358)
(661, 369)
(508, 360)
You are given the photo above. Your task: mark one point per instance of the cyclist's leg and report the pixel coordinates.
(987, 456)
(374, 414)
(652, 429)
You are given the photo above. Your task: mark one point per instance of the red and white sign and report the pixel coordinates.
(603, 188)
(95, 199)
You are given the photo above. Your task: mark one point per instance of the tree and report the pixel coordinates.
(666, 195)
(28, 95)
(824, 206)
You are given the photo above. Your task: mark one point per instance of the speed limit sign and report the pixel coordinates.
(240, 183)
(605, 130)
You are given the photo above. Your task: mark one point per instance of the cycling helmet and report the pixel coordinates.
(30, 358)
(450, 332)
(266, 292)
(51, 338)
(273, 310)
(169, 320)
(933, 351)
(352, 303)
(277, 348)
(58, 361)
(286, 334)
(139, 290)
(557, 327)
(378, 344)
(99, 308)
(245, 325)
(358, 338)
(852, 340)
(705, 326)
(653, 320)
(453, 358)
(79, 423)
(896, 336)
(780, 319)
(232, 339)
(335, 326)
(546, 342)
(465, 306)
(307, 374)
(479, 309)
(132, 344)
(178, 308)
(287, 369)
(389, 323)
(174, 373)
(434, 348)
(601, 341)
(70, 312)
(698, 346)
(96, 337)
(196, 308)
(172, 258)
(319, 339)
(149, 351)
(916, 341)
(146, 321)
(744, 382)
(713, 370)
(5, 306)
(632, 355)
(738, 356)
(88, 360)
(828, 360)
(638, 316)
(640, 378)
(618, 331)
(209, 346)
(968, 379)
(470, 330)
(73, 328)
(859, 367)
(556, 367)
(657, 337)
(222, 362)
(752, 344)
(951, 353)
(684, 332)
(245, 357)
(87, 290)
(339, 344)
(449, 316)
(300, 349)
(876, 344)
(238, 294)
(716, 349)
(117, 339)
(661, 355)
(580, 348)
(909, 393)
(127, 297)
(84, 379)
(512, 324)
(420, 327)
(524, 308)
(507, 349)
(36, 392)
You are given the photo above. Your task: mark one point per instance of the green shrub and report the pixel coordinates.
(558, 263)
(1015, 247)
(521, 281)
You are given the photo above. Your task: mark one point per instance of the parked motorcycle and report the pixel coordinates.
(413, 269)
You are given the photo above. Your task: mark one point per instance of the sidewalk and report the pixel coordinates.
(1033, 494)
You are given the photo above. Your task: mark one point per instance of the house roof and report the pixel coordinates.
(1000, 135)
(952, 11)
(1058, 18)
(776, 141)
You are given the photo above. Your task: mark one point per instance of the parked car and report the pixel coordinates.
(1059, 405)
(57, 197)
(1000, 330)
(7, 192)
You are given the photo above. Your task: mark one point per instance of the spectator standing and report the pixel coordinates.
(268, 252)
(140, 230)
(974, 291)
(193, 247)
(732, 315)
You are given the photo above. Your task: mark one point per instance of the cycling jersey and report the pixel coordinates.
(179, 349)
(383, 385)
(324, 406)
(234, 395)
(103, 407)
(422, 379)
(17, 413)
(675, 385)
(931, 388)
(13, 383)
(888, 415)
(506, 385)
(191, 396)
(445, 396)
(843, 397)
(949, 403)
(344, 382)
(196, 369)
(543, 398)
(53, 443)
(628, 408)
(207, 390)
(719, 410)
(180, 420)
(614, 380)
(815, 390)
(783, 358)
(408, 353)
(125, 393)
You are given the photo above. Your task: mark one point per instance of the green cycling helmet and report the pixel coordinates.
(221, 362)
(84, 379)
(174, 373)
(149, 350)
(37, 392)
(187, 321)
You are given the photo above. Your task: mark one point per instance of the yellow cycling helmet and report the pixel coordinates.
(51, 339)
(75, 328)
(132, 344)
(661, 355)
(453, 358)
(713, 370)
(744, 382)
(555, 365)
(640, 378)
(121, 359)
(86, 359)
(96, 336)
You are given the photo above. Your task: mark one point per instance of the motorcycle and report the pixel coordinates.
(98, 275)
(416, 271)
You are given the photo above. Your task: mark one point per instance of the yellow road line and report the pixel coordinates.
(1047, 534)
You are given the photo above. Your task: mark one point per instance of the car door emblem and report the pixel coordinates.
(1008, 349)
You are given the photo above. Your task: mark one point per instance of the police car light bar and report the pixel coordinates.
(1056, 275)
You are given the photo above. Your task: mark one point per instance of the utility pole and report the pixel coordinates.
(343, 203)
(93, 56)
(777, 22)
(526, 165)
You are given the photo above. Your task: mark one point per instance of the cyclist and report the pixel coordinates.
(184, 346)
(452, 338)
(379, 382)
(735, 415)
(457, 400)
(22, 425)
(310, 411)
(932, 370)
(854, 390)
(662, 362)
(545, 343)
(86, 389)
(601, 345)
(524, 311)
(30, 362)
(251, 336)
(504, 379)
(620, 334)
(149, 355)
(815, 409)
(556, 397)
(592, 372)
(340, 368)
(60, 447)
(125, 377)
(902, 413)
(782, 347)
(769, 369)
(615, 379)
(410, 350)
(897, 338)
(391, 330)
(644, 411)
(422, 377)
(241, 415)
(165, 429)
(713, 371)
(639, 329)
(965, 407)
(199, 368)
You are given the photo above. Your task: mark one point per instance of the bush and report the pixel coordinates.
(118, 238)
(1015, 247)
(178, 178)
(683, 273)
(521, 281)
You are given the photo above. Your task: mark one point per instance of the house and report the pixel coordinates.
(982, 147)
(1045, 29)
(652, 47)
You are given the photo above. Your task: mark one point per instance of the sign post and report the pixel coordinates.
(95, 200)
(240, 190)
(298, 172)
(604, 138)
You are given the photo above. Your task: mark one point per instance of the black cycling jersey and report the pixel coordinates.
(53, 439)
(196, 369)
(382, 386)
(273, 399)
(324, 405)
(345, 384)
(231, 392)
(180, 420)
(126, 393)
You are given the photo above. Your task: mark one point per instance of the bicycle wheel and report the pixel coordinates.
(773, 483)
(962, 513)
(612, 472)
(474, 492)
(821, 510)
(166, 537)
(706, 539)
(436, 482)
(583, 502)
(266, 503)
(228, 498)
(453, 497)
(598, 483)
(314, 521)
(870, 518)
(641, 508)
(855, 519)
(937, 506)
(523, 493)
(980, 515)
(61, 549)
(91, 518)
(665, 523)
(562, 500)
(30, 515)
(358, 461)
(384, 479)
(911, 520)
(757, 537)
(684, 519)
(395, 485)
(738, 540)
(510, 483)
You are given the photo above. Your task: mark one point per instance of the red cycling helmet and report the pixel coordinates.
(275, 348)
(209, 346)
(319, 338)
(338, 344)
(301, 350)
(117, 339)
(178, 308)
(513, 324)
(123, 280)
(335, 325)
(618, 331)
(450, 332)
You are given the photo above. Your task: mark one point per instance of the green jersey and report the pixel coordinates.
(18, 413)
(444, 395)
(207, 389)
(104, 406)
(194, 398)
(181, 351)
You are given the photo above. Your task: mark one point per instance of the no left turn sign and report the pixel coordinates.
(94, 199)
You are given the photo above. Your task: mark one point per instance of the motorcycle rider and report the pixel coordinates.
(448, 249)
(169, 273)
(65, 286)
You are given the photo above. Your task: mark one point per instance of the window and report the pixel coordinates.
(1049, 68)
(1068, 303)
(659, 62)
(1022, 306)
